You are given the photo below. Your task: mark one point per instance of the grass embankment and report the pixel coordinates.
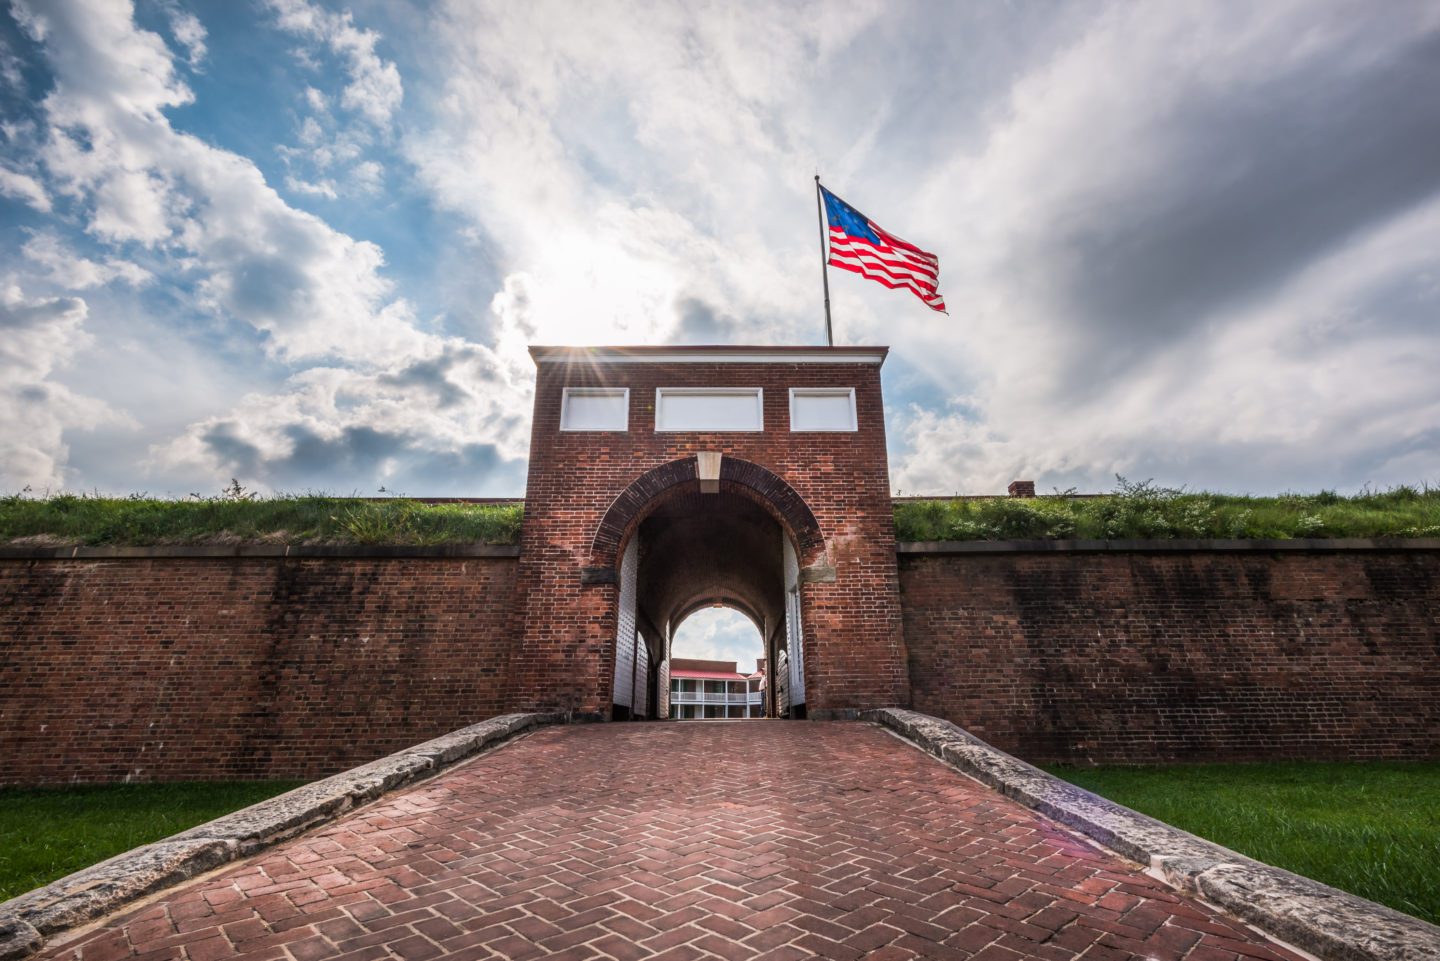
(1132, 511)
(135, 521)
(1371, 829)
(47, 833)
(1144, 511)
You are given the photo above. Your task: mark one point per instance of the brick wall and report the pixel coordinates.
(239, 667)
(1197, 656)
(211, 668)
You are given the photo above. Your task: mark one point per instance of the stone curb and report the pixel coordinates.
(1305, 913)
(27, 922)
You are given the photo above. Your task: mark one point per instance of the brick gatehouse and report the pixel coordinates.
(666, 479)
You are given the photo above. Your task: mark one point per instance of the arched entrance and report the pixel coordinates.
(676, 547)
(718, 666)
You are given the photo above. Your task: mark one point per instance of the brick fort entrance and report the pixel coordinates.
(665, 479)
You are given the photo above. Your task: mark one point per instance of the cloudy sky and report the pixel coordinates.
(719, 634)
(305, 244)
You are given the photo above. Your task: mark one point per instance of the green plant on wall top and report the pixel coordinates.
(238, 516)
(1145, 510)
(1140, 510)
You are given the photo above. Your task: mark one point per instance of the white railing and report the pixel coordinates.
(697, 697)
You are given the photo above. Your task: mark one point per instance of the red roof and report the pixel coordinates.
(708, 675)
(696, 664)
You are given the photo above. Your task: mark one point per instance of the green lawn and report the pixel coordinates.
(1372, 829)
(47, 833)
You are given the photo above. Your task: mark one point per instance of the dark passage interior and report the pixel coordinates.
(698, 550)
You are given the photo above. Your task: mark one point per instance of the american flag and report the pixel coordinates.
(858, 244)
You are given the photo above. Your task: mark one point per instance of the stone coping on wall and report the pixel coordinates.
(30, 920)
(208, 551)
(1311, 545)
(1314, 917)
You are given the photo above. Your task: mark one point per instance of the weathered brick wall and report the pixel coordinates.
(211, 668)
(1200, 656)
(179, 668)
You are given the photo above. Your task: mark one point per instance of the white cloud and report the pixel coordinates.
(1270, 393)
(367, 176)
(312, 135)
(317, 294)
(314, 291)
(454, 415)
(11, 67)
(719, 634)
(133, 205)
(189, 32)
(1138, 285)
(328, 161)
(375, 90)
(65, 268)
(37, 336)
(629, 161)
(22, 186)
(448, 418)
(319, 188)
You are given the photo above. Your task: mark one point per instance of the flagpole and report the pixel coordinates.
(824, 264)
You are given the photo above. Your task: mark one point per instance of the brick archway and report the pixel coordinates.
(739, 476)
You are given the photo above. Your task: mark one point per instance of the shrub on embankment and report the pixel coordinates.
(238, 518)
(1145, 511)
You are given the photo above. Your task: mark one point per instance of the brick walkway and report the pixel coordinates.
(764, 839)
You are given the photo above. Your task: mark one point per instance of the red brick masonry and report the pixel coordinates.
(1187, 656)
(247, 667)
(773, 840)
(207, 669)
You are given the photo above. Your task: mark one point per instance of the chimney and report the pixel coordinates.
(1022, 488)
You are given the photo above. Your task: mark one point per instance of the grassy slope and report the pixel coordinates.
(1132, 511)
(51, 832)
(1144, 511)
(290, 520)
(1372, 829)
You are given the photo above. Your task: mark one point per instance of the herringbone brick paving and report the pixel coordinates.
(764, 839)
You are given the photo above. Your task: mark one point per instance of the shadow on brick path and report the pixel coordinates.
(760, 839)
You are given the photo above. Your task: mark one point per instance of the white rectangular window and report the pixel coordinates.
(595, 408)
(822, 409)
(709, 408)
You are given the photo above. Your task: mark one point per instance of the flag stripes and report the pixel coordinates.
(859, 245)
(880, 272)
